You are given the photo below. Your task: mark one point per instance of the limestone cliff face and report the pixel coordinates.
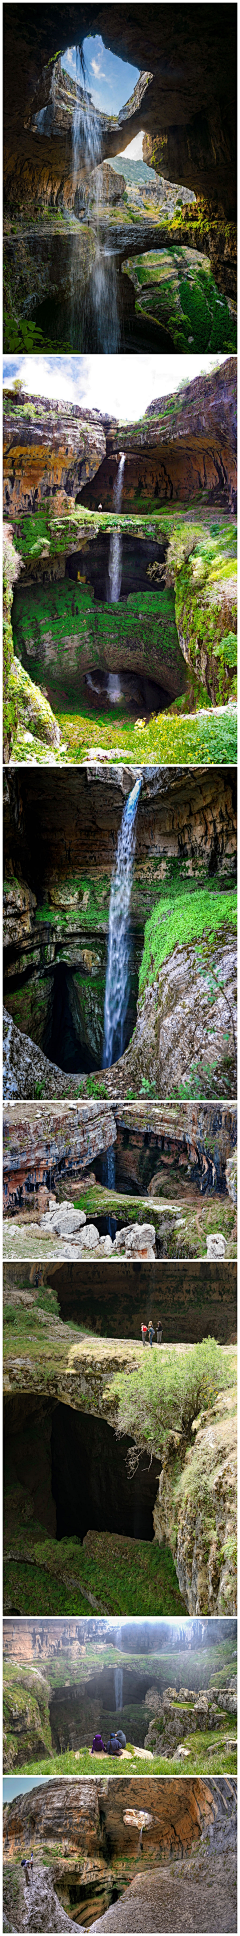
(45, 1143)
(193, 1300)
(49, 448)
(160, 1050)
(181, 446)
(79, 1814)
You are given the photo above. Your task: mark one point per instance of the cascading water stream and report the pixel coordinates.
(100, 323)
(118, 1688)
(118, 960)
(85, 127)
(108, 1181)
(115, 547)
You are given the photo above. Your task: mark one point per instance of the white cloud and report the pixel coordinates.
(97, 69)
(121, 386)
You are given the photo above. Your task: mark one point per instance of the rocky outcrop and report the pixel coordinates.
(174, 287)
(178, 1716)
(32, 1902)
(50, 1143)
(160, 1052)
(48, 449)
(203, 1541)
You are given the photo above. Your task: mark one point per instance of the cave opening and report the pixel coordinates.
(62, 1040)
(67, 1040)
(91, 1485)
(71, 1474)
(92, 565)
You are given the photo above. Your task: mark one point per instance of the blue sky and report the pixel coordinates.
(110, 81)
(118, 386)
(19, 1785)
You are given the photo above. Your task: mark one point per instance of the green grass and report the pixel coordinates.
(125, 1576)
(191, 917)
(199, 1762)
(192, 739)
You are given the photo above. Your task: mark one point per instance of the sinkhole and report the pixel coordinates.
(90, 1481)
(73, 1037)
(72, 1472)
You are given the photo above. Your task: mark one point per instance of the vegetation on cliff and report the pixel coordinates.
(191, 916)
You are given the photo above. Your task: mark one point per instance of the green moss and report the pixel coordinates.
(191, 917)
(178, 289)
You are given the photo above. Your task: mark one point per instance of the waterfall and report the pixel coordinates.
(115, 547)
(108, 1181)
(118, 959)
(85, 127)
(118, 1687)
(114, 688)
(99, 321)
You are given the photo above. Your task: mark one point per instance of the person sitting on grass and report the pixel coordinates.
(113, 1745)
(98, 1745)
(121, 1737)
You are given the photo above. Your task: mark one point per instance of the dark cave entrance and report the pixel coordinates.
(93, 563)
(74, 1470)
(62, 1041)
(90, 1481)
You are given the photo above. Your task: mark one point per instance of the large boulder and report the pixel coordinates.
(136, 1240)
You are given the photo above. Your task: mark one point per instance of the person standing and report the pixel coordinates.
(159, 1331)
(144, 1333)
(151, 1332)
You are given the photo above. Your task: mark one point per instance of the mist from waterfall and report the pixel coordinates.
(119, 947)
(115, 547)
(118, 1688)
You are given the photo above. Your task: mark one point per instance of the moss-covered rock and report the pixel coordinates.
(175, 288)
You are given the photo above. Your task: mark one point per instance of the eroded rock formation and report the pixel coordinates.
(189, 97)
(98, 1826)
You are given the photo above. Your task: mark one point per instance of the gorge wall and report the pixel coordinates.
(184, 444)
(193, 1302)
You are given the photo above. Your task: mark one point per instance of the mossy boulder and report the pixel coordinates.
(175, 288)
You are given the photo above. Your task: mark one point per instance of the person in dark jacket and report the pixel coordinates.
(151, 1332)
(113, 1746)
(121, 1737)
(159, 1332)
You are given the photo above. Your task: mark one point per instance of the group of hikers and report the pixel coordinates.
(113, 1746)
(27, 1865)
(148, 1333)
